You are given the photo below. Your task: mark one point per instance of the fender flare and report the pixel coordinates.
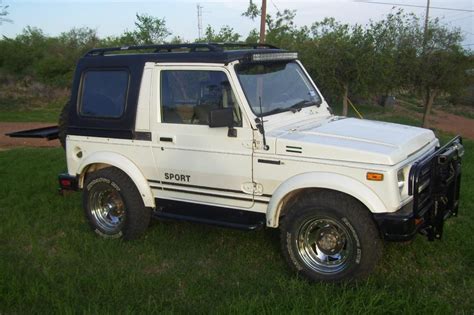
(125, 165)
(324, 180)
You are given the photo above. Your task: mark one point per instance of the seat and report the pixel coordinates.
(208, 102)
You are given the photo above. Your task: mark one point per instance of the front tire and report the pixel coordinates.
(113, 206)
(328, 236)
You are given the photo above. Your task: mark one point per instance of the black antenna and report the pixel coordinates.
(260, 125)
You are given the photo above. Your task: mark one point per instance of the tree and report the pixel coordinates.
(79, 38)
(443, 65)
(396, 47)
(149, 30)
(339, 56)
(252, 11)
(253, 36)
(177, 40)
(225, 35)
(57, 65)
(4, 13)
(281, 29)
(19, 55)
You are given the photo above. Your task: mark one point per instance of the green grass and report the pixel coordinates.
(51, 262)
(13, 110)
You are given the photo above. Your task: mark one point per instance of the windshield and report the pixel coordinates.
(279, 87)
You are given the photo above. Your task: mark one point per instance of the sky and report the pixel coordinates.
(112, 17)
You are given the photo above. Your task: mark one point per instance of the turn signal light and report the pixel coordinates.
(375, 177)
(419, 221)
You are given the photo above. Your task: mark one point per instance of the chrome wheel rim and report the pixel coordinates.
(325, 245)
(107, 208)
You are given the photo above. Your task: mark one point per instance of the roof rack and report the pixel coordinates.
(210, 47)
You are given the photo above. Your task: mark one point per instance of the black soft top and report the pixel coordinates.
(132, 59)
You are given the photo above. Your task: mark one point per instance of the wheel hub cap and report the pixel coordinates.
(330, 241)
(325, 245)
(107, 208)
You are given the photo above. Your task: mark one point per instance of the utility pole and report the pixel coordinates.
(199, 14)
(428, 97)
(427, 17)
(263, 21)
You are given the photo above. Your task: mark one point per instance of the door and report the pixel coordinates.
(195, 162)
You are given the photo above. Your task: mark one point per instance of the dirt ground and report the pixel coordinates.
(7, 142)
(445, 121)
(453, 124)
(441, 120)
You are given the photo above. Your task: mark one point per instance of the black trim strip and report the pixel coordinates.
(293, 147)
(200, 187)
(207, 194)
(293, 151)
(269, 161)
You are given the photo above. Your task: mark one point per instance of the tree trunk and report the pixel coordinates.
(429, 99)
(344, 99)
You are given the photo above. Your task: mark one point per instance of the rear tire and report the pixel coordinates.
(113, 206)
(330, 237)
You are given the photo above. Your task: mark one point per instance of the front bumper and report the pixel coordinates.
(434, 183)
(398, 226)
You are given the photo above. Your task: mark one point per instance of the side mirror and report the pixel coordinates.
(222, 117)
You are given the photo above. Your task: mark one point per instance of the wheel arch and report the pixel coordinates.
(295, 185)
(100, 160)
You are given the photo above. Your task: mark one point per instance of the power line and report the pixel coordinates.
(413, 5)
(278, 10)
(456, 16)
(459, 19)
(452, 15)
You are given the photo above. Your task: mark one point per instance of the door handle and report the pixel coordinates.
(166, 139)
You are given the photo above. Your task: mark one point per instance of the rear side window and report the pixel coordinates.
(104, 93)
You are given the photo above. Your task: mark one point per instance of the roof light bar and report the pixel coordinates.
(274, 56)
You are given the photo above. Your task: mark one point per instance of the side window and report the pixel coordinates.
(187, 96)
(104, 93)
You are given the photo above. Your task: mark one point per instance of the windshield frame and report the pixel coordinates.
(289, 108)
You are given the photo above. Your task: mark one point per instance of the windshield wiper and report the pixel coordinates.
(275, 111)
(293, 108)
(298, 106)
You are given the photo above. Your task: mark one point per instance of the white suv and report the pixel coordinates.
(240, 136)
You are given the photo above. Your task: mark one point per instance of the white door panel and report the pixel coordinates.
(201, 164)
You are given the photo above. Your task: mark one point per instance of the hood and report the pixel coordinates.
(352, 140)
